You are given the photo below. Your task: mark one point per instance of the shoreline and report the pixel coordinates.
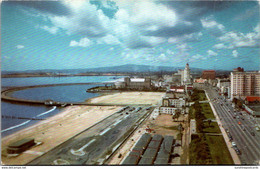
(67, 123)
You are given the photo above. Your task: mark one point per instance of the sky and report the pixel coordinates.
(74, 34)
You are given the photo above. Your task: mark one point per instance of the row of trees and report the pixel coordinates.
(199, 150)
(195, 95)
(199, 116)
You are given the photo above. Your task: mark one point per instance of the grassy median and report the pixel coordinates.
(208, 145)
(211, 127)
(206, 110)
(218, 150)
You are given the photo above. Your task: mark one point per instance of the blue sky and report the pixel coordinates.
(87, 34)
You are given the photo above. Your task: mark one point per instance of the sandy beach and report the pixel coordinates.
(73, 120)
(55, 130)
(124, 98)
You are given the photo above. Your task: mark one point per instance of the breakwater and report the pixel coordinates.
(6, 95)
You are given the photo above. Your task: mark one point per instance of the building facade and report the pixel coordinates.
(186, 77)
(134, 83)
(173, 102)
(167, 110)
(244, 83)
(224, 86)
(208, 74)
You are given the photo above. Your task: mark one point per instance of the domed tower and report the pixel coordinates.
(186, 75)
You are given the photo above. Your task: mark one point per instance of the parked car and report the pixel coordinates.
(238, 151)
(252, 133)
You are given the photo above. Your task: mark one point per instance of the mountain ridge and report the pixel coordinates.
(115, 69)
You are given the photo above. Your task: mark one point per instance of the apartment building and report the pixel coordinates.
(244, 83)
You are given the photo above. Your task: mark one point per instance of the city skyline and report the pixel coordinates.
(83, 34)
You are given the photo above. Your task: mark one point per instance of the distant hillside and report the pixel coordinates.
(131, 68)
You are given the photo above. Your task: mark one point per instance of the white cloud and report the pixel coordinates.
(169, 52)
(84, 19)
(240, 40)
(109, 39)
(19, 46)
(198, 56)
(235, 53)
(183, 47)
(193, 37)
(139, 54)
(212, 26)
(149, 16)
(211, 53)
(221, 46)
(162, 57)
(84, 42)
(52, 30)
(153, 40)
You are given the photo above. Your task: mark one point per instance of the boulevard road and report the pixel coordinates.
(244, 134)
(95, 144)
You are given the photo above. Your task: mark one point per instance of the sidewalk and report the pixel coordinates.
(225, 136)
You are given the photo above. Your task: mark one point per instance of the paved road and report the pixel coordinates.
(93, 144)
(246, 142)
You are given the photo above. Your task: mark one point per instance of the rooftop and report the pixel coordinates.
(209, 71)
(252, 98)
(137, 79)
(20, 143)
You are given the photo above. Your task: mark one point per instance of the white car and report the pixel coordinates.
(233, 144)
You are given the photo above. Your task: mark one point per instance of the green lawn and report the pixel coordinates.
(206, 110)
(213, 128)
(218, 150)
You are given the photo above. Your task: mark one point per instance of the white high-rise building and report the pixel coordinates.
(186, 77)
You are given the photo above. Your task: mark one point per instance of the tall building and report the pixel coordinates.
(186, 78)
(208, 74)
(244, 83)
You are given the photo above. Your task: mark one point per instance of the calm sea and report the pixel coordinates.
(72, 93)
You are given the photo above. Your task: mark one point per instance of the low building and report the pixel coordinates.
(134, 83)
(173, 102)
(223, 83)
(178, 89)
(252, 99)
(200, 80)
(167, 110)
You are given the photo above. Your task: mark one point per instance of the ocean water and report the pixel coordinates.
(74, 93)
(29, 81)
